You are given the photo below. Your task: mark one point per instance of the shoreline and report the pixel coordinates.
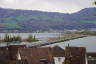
(59, 41)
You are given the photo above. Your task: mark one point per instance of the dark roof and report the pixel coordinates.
(17, 62)
(16, 46)
(33, 55)
(13, 50)
(93, 54)
(3, 53)
(58, 52)
(76, 50)
(3, 48)
(77, 55)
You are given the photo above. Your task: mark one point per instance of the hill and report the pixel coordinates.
(32, 20)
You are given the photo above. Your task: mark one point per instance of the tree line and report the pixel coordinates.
(8, 38)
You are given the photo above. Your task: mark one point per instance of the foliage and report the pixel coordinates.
(31, 38)
(8, 38)
(94, 2)
(87, 32)
(28, 20)
(18, 38)
(9, 25)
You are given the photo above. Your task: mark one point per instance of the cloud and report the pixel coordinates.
(68, 6)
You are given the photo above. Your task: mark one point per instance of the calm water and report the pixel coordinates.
(88, 42)
(40, 36)
(37, 35)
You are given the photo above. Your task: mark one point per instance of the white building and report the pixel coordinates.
(58, 55)
(59, 60)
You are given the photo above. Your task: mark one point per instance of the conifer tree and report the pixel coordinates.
(18, 39)
(95, 3)
(6, 38)
(30, 38)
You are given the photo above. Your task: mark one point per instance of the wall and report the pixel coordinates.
(59, 60)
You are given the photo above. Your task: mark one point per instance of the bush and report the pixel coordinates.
(7, 38)
(31, 38)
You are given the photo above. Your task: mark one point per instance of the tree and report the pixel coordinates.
(17, 39)
(31, 38)
(6, 38)
(0, 39)
(94, 2)
(34, 38)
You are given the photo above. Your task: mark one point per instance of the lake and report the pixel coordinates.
(40, 36)
(37, 35)
(88, 42)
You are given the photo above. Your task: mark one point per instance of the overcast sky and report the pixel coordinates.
(65, 6)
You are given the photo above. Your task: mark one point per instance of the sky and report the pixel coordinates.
(63, 6)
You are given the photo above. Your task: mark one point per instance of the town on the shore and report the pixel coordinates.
(21, 54)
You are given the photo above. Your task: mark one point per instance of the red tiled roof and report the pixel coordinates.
(33, 55)
(58, 52)
(77, 51)
(13, 50)
(76, 55)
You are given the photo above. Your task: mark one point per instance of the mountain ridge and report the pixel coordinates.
(29, 20)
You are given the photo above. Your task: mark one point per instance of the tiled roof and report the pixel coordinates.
(3, 55)
(76, 55)
(93, 54)
(13, 50)
(33, 55)
(77, 51)
(58, 52)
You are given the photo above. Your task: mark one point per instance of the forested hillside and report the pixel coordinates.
(29, 20)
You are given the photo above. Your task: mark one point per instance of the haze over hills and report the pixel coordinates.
(29, 20)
